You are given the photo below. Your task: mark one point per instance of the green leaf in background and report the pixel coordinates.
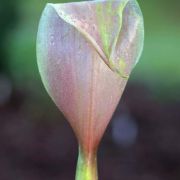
(160, 61)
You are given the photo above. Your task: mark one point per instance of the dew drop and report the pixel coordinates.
(79, 50)
(61, 13)
(89, 7)
(94, 27)
(52, 43)
(73, 20)
(86, 26)
(52, 39)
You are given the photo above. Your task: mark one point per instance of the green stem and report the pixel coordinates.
(86, 166)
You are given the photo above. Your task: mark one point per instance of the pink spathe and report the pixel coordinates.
(86, 52)
(83, 87)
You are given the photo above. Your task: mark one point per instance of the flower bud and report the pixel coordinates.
(86, 52)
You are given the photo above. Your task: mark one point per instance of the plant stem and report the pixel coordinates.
(86, 166)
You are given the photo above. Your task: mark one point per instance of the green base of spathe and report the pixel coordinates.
(86, 166)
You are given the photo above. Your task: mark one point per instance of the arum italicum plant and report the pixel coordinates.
(86, 52)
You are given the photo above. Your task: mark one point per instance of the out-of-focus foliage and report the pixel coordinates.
(8, 18)
(158, 67)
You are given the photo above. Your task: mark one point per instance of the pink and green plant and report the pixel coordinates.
(86, 52)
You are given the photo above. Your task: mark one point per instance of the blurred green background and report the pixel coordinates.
(159, 67)
(32, 131)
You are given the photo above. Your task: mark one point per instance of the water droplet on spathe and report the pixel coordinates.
(61, 13)
(52, 39)
(86, 26)
(73, 20)
(94, 27)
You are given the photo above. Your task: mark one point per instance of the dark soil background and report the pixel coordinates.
(141, 142)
